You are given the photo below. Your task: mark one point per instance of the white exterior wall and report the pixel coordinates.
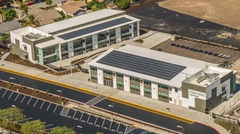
(131, 30)
(154, 88)
(60, 51)
(174, 95)
(108, 38)
(142, 89)
(84, 44)
(138, 32)
(126, 81)
(21, 43)
(114, 81)
(95, 41)
(219, 88)
(100, 76)
(70, 49)
(118, 34)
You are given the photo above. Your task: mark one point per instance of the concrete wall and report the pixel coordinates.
(100, 75)
(126, 80)
(118, 34)
(95, 41)
(70, 49)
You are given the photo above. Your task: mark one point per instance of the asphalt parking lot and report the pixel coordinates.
(51, 114)
(182, 51)
(161, 19)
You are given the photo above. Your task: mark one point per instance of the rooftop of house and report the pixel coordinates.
(8, 26)
(45, 16)
(78, 4)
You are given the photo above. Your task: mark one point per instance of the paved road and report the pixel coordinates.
(79, 96)
(155, 16)
(48, 112)
(119, 108)
(194, 128)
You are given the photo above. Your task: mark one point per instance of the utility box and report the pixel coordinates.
(173, 37)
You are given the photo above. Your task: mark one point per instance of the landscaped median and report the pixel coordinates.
(151, 110)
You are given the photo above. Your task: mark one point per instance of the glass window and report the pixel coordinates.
(107, 72)
(64, 47)
(48, 51)
(93, 68)
(119, 75)
(147, 82)
(134, 79)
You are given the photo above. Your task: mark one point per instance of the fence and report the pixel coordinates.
(226, 119)
(158, 28)
(230, 105)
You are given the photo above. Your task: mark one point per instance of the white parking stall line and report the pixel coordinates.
(118, 127)
(48, 125)
(35, 103)
(110, 125)
(48, 106)
(50, 128)
(10, 95)
(16, 97)
(74, 114)
(29, 100)
(42, 105)
(81, 116)
(88, 118)
(23, 98)
(4, 93)
(55, 109)
(103, 122)
(95, 121)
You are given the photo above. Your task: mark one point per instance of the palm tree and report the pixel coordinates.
(1, 13)
(31, 20)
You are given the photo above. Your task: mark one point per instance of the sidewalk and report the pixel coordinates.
(81, 79)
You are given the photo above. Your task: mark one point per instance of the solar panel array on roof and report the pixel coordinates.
(143, 65)
(94, 28)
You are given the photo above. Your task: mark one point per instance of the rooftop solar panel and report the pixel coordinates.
(143, 65)
(94, 28)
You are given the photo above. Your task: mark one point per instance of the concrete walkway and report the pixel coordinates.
(81, 79)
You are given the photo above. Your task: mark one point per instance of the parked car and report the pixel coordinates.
(30, 3)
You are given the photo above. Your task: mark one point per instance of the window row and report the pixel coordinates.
(134, 86)
(93, 68)
(134, 79)
(107, 72)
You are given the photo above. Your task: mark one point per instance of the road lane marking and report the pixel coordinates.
(103, 122)
(29, 100)
(48, 125)
(110, 125)
(35, 103)
(10, 95)
(55, 109)
(23, 98)
(16, 97)
(118, 127)
(95, 121)
(81, 116)
(48, 106)
(42, 104)
(88, 118)
(74, 114)
(4, 93)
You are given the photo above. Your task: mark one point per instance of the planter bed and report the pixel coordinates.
(36, 93)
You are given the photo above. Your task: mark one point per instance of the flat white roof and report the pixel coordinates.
(47, 44)
(50, 28)
(192, 66)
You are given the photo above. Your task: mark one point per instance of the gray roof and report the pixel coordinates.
(91, 29)
(9, 26)
(143, 65)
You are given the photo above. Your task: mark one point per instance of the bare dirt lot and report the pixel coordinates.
(168, 48)
(225, 12)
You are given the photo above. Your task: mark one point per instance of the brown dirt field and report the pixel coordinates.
(225, 12)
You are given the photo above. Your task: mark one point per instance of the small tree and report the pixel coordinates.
(62, 130)
(33, 127)
(122, 3)
(48, 91)
(23, 7)
(10, 14)
(48, 2)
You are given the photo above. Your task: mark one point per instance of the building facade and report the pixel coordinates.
(174, 79)
(71, 37)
